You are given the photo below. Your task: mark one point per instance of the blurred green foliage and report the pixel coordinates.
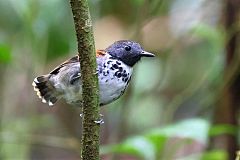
(215, 155)
(152, 144)
(165, 113)
(5, 54)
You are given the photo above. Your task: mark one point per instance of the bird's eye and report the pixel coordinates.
(127, 48)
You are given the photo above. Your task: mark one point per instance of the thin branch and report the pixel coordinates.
(87, 58)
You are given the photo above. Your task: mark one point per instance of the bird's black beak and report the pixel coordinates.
(147, 54)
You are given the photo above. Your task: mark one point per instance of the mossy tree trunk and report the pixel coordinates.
(87, 57)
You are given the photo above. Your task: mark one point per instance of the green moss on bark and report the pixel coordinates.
(87, 56)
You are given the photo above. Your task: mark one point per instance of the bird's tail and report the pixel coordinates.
(45, 90)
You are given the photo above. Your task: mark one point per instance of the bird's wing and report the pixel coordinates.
(71, 60)
(99, 53)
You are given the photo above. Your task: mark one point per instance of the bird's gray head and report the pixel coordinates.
(129, 52)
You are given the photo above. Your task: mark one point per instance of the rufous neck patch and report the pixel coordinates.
(100, 53)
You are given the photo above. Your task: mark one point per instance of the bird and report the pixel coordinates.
(114, 69)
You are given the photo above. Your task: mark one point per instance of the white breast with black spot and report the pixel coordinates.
(114, 77)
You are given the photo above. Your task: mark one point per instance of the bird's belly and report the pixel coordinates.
(110, 89)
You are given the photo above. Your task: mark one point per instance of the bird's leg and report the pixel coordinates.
(100, 121)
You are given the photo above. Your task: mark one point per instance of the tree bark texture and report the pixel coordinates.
(228, 105)
(87, 57)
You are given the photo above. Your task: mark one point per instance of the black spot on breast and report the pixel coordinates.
(125, 79)
(104, 65)
(118, 63)
(120, 69)
(112, 68)
(124, 75)
(115, 66)
(106, 81)
(108, 62)
(118, 74)
(105, 73)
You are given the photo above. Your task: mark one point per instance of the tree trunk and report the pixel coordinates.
(227, 106)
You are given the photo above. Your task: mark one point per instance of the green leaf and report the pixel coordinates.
(158, 141)
(5, 54)
(196, 129)
(137, 146)
(215, 155)
(188, 130)
(150, 145)
(223, 129)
